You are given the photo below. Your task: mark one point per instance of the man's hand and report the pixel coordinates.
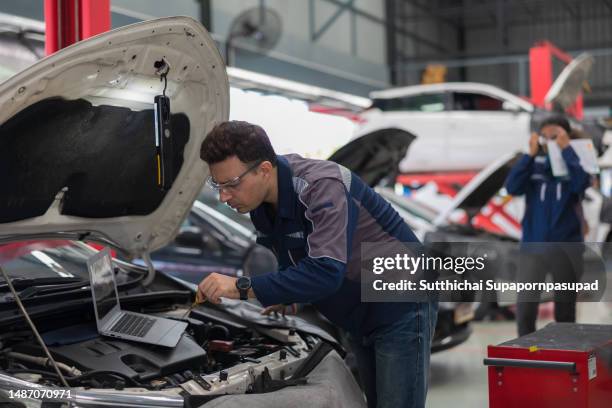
(533, 144)
(563, 140)
(215, 286)
(283, 309)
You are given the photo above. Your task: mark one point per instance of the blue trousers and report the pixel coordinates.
(393, 361)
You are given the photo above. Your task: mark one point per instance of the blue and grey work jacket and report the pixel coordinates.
(324, 214)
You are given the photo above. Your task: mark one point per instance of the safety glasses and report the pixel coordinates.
(230, 184)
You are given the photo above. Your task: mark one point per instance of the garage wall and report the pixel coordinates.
(419, 33)
(349, 55)
(494, 37)
(296, 24)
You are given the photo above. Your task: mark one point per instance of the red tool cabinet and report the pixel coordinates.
(563, 365)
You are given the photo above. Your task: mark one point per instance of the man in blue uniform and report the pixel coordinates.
(314, 215)
(553, 214)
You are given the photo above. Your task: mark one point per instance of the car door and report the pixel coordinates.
(482, 128)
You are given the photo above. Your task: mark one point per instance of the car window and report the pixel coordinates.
(476, 102)
(433, 102)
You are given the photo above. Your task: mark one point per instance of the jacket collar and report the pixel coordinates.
(286, 192)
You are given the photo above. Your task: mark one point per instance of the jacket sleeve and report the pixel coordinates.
(320, 273)
(518, 179)
(579, 179)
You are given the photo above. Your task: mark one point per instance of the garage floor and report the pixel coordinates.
(458, 377)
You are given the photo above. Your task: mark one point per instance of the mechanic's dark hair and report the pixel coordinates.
(247, 141)
(560, 121)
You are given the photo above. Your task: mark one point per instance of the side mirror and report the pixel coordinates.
(190, 237)
(511, 107)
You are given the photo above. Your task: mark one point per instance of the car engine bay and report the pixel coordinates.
(215, 356)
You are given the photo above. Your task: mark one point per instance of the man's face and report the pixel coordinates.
(250, 190)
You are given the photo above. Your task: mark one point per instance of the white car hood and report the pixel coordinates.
(77, 140)
(568, 85)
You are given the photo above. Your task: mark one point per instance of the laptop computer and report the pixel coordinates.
(114, 322)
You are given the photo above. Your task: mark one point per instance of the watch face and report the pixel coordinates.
(243, 283)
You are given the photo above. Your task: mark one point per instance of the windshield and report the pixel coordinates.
(50, 259)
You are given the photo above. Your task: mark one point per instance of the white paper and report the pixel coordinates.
(584, 150)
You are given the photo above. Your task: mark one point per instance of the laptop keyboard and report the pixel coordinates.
(133, 325)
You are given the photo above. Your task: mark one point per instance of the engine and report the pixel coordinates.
(206, 350)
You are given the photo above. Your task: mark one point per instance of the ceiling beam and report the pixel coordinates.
(332, 19)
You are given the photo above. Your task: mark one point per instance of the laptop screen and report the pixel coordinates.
(102, 283)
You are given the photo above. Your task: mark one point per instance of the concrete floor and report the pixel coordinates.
(458, 377)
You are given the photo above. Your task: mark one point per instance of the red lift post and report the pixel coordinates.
(541, 74)
(69, 21)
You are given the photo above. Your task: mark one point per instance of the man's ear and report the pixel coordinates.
(266, 167)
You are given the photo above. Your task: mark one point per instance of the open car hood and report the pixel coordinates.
(568, 85)
(480, 189)
(77, 136)
(375, 156)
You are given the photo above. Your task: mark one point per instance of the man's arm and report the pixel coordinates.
(309, 281)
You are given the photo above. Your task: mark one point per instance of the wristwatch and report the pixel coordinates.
(243, 284)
